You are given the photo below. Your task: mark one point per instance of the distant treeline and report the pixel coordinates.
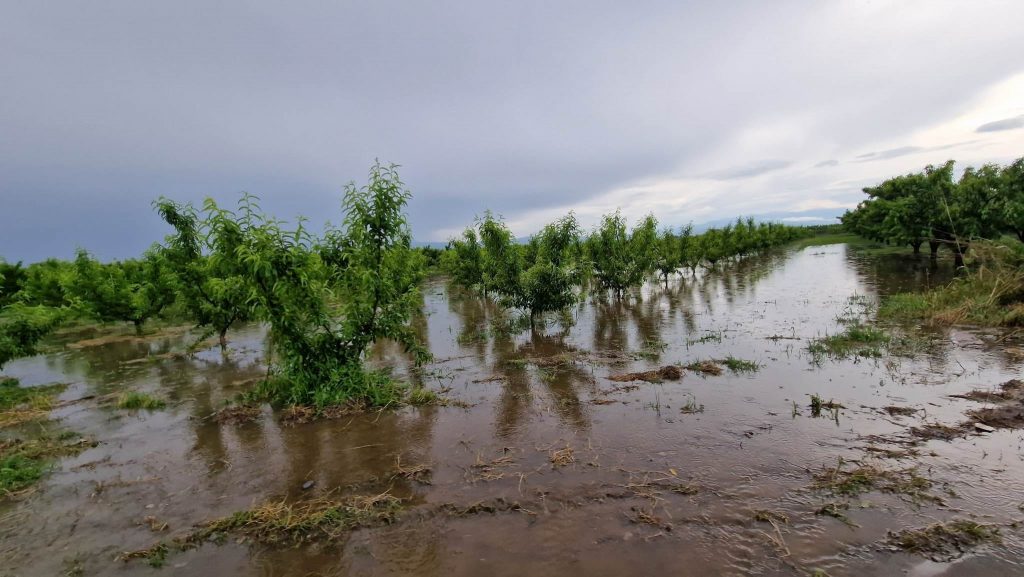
(552, 270)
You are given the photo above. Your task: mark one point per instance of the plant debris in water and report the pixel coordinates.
(705, 367)
(895, 411)
(767, 516)
(818, 404)
(21, 404)
(563, 457)
(863, 478)
(1007, 411)
(280, 523)
(666, 373)
(236, 414)
(944, 542)
(419, 473)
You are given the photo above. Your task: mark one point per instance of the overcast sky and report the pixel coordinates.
(691, 110)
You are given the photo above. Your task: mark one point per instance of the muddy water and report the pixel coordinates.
(529, 398)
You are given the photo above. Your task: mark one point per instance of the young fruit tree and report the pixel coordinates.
(202, 254)
(622, 259)
(327, 300)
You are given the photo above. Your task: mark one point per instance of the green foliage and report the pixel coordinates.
(123, 291)
(13, 395)
(23, 462)
(538, 278)
(501, 261)
(1013, 197)
(668, 257)
(23, 326)
(12, 279)
(45, 283)
(931, 206)
(328, 300)
(464, 261)
(622, 259)
(202, 254)
(549, 283)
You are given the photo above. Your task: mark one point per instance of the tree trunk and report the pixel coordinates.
(1020, 235)
(961, 250)
(934, 246)
(224, 341)
(917, 246)
(138, 327)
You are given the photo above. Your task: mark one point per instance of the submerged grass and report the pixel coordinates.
(991, 293)
(739, 365)
(20, 404)
(23, 462)
(134, 400)
(944, 542)
(857, 340)
(279, 523)
(863, 478)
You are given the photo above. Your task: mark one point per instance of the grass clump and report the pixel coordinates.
(944, 542)
(864, 478)
(819, 404)
(20, 404)
(739, 365)
(283, 524)
(353, 389)
(422, 396)
(651, 350)
(134, 400)
(857, 340)
(23, 463)
(991, 293)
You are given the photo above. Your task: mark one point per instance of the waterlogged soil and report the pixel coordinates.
(548, 461)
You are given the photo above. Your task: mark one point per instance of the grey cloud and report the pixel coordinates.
(514, 107)
(825, 163)
(1004, 124)
(891, 153)
(907, 150)
(749, 170)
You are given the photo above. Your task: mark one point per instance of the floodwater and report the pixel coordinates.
(529, 399)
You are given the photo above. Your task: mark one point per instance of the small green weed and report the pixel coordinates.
(134, 400)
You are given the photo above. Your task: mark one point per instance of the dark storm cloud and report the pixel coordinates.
(1004, 124)
(516, 107)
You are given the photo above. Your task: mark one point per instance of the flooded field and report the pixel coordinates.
(763, 460)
